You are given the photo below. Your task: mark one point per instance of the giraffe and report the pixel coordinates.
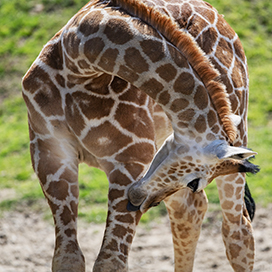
(154, 93)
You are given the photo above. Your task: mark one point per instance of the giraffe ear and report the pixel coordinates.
(222, 150)
(160, 156)
(237, 153)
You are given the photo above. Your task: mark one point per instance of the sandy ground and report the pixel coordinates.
(27, 241)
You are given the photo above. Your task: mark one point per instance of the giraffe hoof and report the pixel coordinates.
(132, 208)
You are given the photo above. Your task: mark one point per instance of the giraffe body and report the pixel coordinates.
(108, 89)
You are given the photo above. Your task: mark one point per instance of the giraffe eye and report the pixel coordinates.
(193, 185)
(154, 204)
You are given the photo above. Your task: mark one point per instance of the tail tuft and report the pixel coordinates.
(250, 203)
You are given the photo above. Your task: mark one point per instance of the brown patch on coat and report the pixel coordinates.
(118, 85)
(107, 60)
(73, 116)
(152, 87)
(167, 72)
(179, 104)
(135, 120)
(135, 169)
(35, 120)
(90, 24)
(67, 216)
(141, 152)
(224, 52)
(135, 60)
(99, 84)
(126, 218)
(71, 44)
(52, 55)
(184, 84)
(58, 189)
(118, 31)
(201, 98)
(92, 48)
(153, 49)
(116, 141)
(200, 124)
(93, 107)
(118, 177)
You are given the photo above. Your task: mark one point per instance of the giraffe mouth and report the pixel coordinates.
(133, 208)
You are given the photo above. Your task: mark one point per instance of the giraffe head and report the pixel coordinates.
(178, 164)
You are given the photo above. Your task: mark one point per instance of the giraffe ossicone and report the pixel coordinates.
(207, 163)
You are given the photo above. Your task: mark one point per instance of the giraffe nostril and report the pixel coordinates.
(193, 184)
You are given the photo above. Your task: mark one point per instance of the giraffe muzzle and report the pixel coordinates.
(139, 200)
(136, 197)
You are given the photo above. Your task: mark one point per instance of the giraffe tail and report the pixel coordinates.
(250, 203)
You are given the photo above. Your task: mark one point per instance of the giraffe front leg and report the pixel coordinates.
(186, 212)
(120, 227)
(237, 231)
(56, 166)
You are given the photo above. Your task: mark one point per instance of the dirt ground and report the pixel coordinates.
(27, 241)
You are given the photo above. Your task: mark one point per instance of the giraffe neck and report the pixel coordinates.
(194, 55)
(147, 61)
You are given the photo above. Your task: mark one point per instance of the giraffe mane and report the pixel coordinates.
(194, 54)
